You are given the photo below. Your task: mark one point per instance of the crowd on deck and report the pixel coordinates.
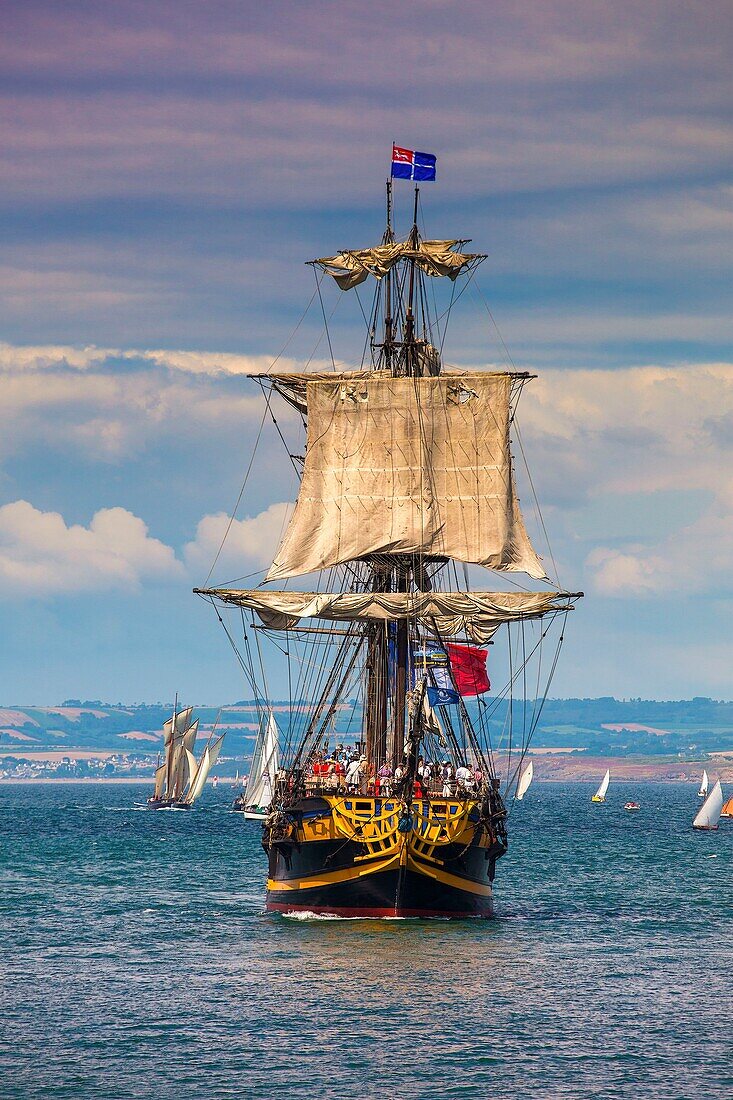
(349, 771)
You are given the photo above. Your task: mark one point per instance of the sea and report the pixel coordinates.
(137, 960)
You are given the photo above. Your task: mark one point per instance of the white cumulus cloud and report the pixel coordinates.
(646, 430)
(249, 544)
(40, 555)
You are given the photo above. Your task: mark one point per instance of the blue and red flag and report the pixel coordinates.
(407, 164)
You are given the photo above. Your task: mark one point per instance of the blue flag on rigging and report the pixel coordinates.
(441, 697)
(407, 164)
(432, 663)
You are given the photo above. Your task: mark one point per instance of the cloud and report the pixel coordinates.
(591, 435)
(695, 560)
(213, 106)
(17, 359)
(110, 405)
(249, 545)
(41, 556)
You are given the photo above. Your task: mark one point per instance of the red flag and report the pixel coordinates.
(468, 665)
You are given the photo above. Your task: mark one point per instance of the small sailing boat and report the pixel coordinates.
(709, 813)
(524, 782)
(180, 779)
(600, 795)
(727, 810)
(704, 785)
(255, 800)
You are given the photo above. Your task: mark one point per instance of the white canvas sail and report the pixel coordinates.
(408, 466)
(192, 765)
(525, 780)
(478, 614)
(178, 768)
(259, 790)
(601, 792)
(189, 737)
(704, 784)
(209, 758)
(436, 258)
(182, 720)
(709, 813)
(160, 778)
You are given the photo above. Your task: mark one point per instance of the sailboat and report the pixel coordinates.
(180, 779)
(703, 785)
(708, 815)
(600, 795)
(524, 781)
(255, 800)
(727, 810)
(407, 494)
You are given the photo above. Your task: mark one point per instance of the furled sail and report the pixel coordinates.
(260, 785)
(478, 614)
(408, 466)
(437, 258)
(708, 815)
(525, 780)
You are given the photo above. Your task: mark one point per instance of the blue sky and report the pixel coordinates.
(166, 170)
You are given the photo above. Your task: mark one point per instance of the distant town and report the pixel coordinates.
(82, 739)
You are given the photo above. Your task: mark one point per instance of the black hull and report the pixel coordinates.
(396, 893)
(321, 868)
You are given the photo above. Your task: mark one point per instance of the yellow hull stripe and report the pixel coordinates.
(347, 875)
(403, 857)
(456, 881)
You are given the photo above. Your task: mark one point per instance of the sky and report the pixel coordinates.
(167, 169)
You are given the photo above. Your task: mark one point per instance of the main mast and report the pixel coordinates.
(388, 655)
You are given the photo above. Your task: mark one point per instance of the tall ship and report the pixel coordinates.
(408, 535)
(180, 777)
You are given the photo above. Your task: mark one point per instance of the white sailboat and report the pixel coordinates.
(704, 785)
(206, 763)
(254, 803)
(525, 780)
(709, 813)
(600, 795)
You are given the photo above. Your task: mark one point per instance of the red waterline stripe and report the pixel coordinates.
(344, 911)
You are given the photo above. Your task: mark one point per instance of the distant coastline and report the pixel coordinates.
(548, 768)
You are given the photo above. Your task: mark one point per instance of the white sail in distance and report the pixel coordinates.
(708, 815)
(703, 785)
(600, 795)
(209, 758)
(525, 780)
(181, 724)
(161, 775)
(260, 784)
